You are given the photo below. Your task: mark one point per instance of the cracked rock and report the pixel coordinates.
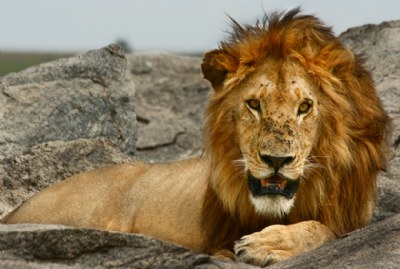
(85, 96)
(170, 100)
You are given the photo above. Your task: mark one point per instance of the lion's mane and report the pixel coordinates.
(350, 144)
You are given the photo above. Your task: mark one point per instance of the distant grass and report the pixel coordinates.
(17, 61)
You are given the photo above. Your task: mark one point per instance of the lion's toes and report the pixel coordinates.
(261, 257)
(253, 252)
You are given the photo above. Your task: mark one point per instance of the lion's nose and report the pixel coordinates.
(275, 161)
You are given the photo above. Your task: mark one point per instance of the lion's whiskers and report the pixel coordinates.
(315, 158)
(239, 163)
(311, 165)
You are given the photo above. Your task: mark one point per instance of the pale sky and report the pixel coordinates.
(162, 25)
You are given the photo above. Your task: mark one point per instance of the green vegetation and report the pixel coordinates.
(17, 61)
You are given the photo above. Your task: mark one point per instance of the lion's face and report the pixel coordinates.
(277, 123)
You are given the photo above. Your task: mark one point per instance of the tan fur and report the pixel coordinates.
(162, 200)
(337, 148)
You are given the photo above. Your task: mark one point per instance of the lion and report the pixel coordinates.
(294, 137)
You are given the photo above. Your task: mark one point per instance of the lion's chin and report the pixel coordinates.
(275, 206)
(276, 185)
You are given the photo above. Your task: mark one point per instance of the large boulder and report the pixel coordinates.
(52, 246)
(380, 45)
(374, 246)
(86, 96)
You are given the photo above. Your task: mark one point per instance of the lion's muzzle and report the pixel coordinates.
(276, 162)
(274, 185)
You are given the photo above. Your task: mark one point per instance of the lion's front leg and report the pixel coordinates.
(279, 242)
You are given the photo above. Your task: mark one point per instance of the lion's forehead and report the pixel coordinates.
(293, 87)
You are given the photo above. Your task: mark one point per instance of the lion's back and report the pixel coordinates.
(74, 201)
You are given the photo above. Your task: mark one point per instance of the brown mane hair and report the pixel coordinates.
(351, 139)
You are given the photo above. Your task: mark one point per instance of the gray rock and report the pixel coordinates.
(380, 45)
(54, 246)
(170, 100)
(86, 96)
(40, 246)
(23, 175)
(374, 246)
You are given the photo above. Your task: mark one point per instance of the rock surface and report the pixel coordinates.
(86, 96)
(380, 45)
(170, 100)
(374, 246)
(51, 246)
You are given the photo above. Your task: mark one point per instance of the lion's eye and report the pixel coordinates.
(305, 107)
(253, 104)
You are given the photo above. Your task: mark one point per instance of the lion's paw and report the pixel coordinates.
(262, 248)
(280, 242)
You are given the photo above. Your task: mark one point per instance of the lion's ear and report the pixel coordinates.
(340, 61)
(216, 65)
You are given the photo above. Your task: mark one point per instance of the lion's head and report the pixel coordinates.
(294, 129)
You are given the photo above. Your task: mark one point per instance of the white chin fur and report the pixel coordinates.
(274, 206)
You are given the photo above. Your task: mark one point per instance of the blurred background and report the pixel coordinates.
(41, 30)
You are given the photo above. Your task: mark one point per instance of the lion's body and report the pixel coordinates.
(294, 135)
(161, 200)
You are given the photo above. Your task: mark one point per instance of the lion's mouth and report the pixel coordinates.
(274, 185)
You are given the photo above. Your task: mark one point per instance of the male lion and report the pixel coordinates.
(294, 139)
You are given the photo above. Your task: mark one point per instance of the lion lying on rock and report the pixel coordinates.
(294, 139)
